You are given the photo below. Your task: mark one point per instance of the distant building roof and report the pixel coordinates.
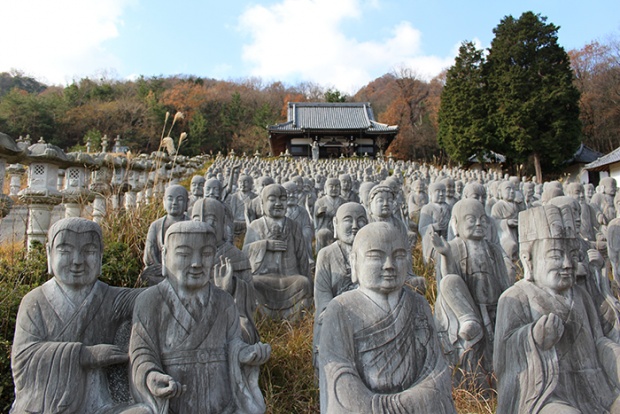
(584, 155)
(310, 116)
(603, 162)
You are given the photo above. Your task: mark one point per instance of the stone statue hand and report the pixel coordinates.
(223, 274)
(256, 354)
(276, 245)
(596, 258)
(548, 331)
(440, 244)
(163, 386)
(512, 222)
(102, 355)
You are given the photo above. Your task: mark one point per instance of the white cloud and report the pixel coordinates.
(56, 40)
(281, 47)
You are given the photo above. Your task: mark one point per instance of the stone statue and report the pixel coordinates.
(434, 218)
(379, 351)
(278, 254)
(238, 201)
(315, 150)
(604, 201)
(472, 278)
(324, 211)
(333, 269)
(506, 213)
(196, 190)
(175, 204)
(240, 284)
(299, 215)
(550, 354)
(418, 198)
(346, 188)
(254, 209)
(214, 190)
(187, 355)
(65, 329)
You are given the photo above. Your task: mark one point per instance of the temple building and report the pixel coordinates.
(341, 129)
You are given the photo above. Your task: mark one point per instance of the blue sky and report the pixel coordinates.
(334, 43)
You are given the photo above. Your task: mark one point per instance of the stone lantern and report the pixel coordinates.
(100, 187)
(136, 168)
(118, 165)
(76, 193)
(42, 193)
(16, 172)
(9, 152)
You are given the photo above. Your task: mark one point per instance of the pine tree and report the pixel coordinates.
(463, 129)
(534, 104)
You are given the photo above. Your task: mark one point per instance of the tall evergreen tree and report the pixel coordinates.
(463, 129)
(535, 106)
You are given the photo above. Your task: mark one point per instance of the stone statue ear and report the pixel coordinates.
(164, 270)
(353, 262)
(48, 250)
(526, 260)
(335, 221)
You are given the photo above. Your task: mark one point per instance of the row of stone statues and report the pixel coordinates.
(548, 338)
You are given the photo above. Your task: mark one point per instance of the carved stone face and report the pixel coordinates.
(380, 260)
(245, 184)
(345, 183)
(188, 260)
(75, 258)
(292, 195)
(213, 189)
(554, 262)
(507, 191)
(274, 201)
(438, 193)
(349, 219)
(175, 201)
(197, 186)
(472, 224)
(382, 204)
(609, 186)
(332, 187)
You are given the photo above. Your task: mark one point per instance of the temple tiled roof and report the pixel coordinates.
(304, 116)
(605, 160)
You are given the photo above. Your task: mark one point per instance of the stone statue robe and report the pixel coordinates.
(243, 291)
(324, 212)
(253, 210)
(237, 204)
(300, 216)
(581, 369)
(502, 212)
(332, 277)
(198, 345)
(377, 362)
(282, 279)
(433, 217)
(49, 336)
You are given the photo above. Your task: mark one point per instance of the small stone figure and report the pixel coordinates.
(434, 218)
(254, 209)
(238, 201)
(240, 284)
(187, 355)
(417, 199)
(65, 329)
(472, 278)
(278, 254)
(175, 204)
(346, 188)
(550, 354)
(324, 211)
(379, 351)
(506, 214)
(604, 201)
(333, 269)
(196, 190)
(299, 215)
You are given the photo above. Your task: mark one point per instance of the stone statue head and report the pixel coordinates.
(418, 186)
(507, 191)
(332, 187)
(197, 186)
(345, 182)
(379, 258)
(470, 219)
(613, 245)
(437, 192)
(211, 211)
(609, 186)
(349, 219)
(548, 247)
(528, 190)
(450, 186)
(381, 201)
(274, 199)
(292, 193)
(74, 252)
(175, 200)
(188, 255)
(245, 183)
(476, 191)
(213, 188)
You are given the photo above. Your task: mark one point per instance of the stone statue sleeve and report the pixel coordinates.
(144, 349)
(47, 373)
(151, 250)
(254, 248)
(322, 283)
(526, 374)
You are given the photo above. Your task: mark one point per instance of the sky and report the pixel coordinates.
(339, 44)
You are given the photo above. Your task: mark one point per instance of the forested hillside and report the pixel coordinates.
(220, 115)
